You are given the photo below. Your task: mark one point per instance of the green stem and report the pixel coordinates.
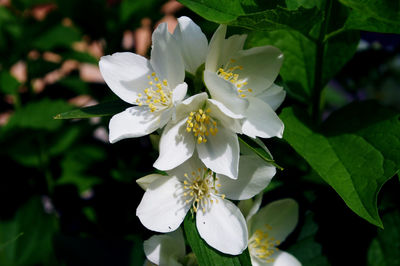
(318, 82)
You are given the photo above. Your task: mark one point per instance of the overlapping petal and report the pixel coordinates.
(280, 215)
(192, 43)
(163, 207)
(176, 146)
(165, 249)
(166, 59)
(125, 74)
(223, 227)
(254, 175)
(261, 120)
(221, 153)
(133, 122)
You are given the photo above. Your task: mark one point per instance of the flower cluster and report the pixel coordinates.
(199, 148)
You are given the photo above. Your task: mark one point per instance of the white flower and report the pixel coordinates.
(192, 186)
(192, 42)
(167, 249)
(268, 228)
(154, 85)
(206, 126)
(243, 80)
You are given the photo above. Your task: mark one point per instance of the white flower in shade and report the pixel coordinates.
(192, 42)
(203, 126)
(167, 249)
(243, 80)
(268, 228)
(192, 186)
(154, 85)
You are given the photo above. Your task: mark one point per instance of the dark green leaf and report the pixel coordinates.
(58, 36)
(295, 4)
(133, 8)
(355, 153)
(255, 15)
(373, 15)
(207, 256)
(37, 116)
(298, 69)
(8, 84)
(102, 109)
(76, 165)
(27, 238)
(306, 249)
(384, 249)
(257, 149)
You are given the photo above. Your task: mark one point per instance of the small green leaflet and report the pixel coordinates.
(102, 109)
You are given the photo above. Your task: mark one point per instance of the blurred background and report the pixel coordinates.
(68, 197)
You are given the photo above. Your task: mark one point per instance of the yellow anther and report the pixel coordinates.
(153, 74)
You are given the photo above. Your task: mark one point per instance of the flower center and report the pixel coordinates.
(201, 124)
(158, 96)
(199, 187)
(263, 246)
(229, 73)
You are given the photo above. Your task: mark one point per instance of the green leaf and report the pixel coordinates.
(298, 69)
(257, 149)
(133, 8)
(373, 15)
(384, 248)
(8, 84)
(27, 239)
(306, 249)
(205, 254)
(57, 36)
(356, 152)
(295, 4)
(36, 116)
(255, 15)
(102, 109)
(76, 167)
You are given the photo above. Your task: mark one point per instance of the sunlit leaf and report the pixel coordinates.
(355, 157)
(255, 15)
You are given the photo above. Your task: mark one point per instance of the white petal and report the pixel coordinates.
(190, 165)
(225, 92)
(281, 215)
(261, 120)
(163, 206)
(256, 206)
(223, 227)
(254, 175)
(125, 74)
(144, 182)
(165, 249)
(261, 66)
(282, 258)
(193, 103)
(221, 153)
(176, 146)
(179, 92)
(219, 112)
(231, 46)
(214, 54)
(193, 43)
(166, 58)
(273, 96)
(133, 122)
(225, 110)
